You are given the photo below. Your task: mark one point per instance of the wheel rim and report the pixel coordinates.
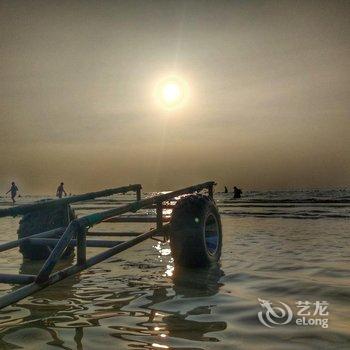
(211, 234)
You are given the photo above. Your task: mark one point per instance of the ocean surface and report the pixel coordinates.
(283, 249)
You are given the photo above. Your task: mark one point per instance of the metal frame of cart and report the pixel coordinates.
(77, 231)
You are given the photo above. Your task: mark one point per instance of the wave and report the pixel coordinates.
(291, 196)
(311, 204)
(289, 215)
(286, 200)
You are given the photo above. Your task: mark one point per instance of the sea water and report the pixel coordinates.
(284, 273)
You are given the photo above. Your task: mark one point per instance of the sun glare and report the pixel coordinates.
(171, 93)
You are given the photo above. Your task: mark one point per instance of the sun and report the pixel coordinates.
(171, 93)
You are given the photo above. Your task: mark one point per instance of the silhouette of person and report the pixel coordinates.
(237, 192)
(226, 190)
(13, 190)
(60, 190)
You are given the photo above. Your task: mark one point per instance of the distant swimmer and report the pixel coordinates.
(237, 192)
(13, 190)
(226, 190)
(60, 190)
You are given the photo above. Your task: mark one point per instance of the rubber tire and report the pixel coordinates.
(40, 221)
(187, 232)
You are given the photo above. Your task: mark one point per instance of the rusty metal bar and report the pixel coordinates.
(114, 234)
(136, 219)
(165, 206)
(16, 243)
(16, 279)
(26, 208)
(160, 215)
(81, 246)
(57, 252)
(97, 243)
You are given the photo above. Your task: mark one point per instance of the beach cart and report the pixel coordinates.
(49, 231)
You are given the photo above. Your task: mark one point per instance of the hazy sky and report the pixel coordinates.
(268, 103)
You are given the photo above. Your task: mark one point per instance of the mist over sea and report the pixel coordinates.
(280, 246)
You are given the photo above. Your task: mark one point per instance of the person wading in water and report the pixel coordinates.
(60, 190)
(237, 192)
(13, 190)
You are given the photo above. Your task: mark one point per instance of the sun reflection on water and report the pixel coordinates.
(160, 346)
